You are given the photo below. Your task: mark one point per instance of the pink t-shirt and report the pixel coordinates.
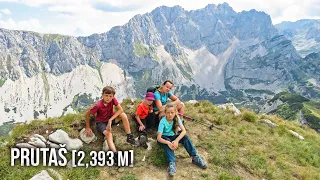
(104, 111)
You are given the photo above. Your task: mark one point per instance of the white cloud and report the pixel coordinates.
(29, 25)
(85, 17)
(5, 11)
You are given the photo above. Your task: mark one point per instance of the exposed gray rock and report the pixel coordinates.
(74, 144)
(121, 169)
(301, 118)
(24, 145)
(85, 138)
(53, 145)
(271, 106)
(43, 175)
(304, 34)
(231, 107)
(192, 101)
(270, 123)
(296, 134)
(238, 51)
(40, 137)
(149, 146)
(61, 137)
(37, 142)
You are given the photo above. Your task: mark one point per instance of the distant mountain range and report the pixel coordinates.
(304, 34)
(212, 53)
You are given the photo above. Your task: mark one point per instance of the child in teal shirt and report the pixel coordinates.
(169, 140)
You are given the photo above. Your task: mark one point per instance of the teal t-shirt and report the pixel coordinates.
(162, 97)
(166, 128)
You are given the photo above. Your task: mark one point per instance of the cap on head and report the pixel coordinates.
(149, 96)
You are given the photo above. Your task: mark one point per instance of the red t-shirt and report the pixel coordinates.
(143, 110)
(104, 111)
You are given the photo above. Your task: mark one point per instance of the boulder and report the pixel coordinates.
(43, 175)
(53, 145)
(267, 121)
(231, 107)
(39, 137)
(85, 138)
(61, 137)
(297, 135)
(24, 145)
(37, 142)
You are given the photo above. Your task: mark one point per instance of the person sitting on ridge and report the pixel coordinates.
(106, 117)
(161, 96)
(145, 118)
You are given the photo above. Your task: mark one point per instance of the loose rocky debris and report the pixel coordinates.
(271, 124)
(43, 175)
(61, 137)
(192, 101)
(85, 138)
(297, 135)
(56, 139)
(230, 106)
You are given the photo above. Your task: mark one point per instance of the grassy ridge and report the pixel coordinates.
(293, 104)
(245, 148)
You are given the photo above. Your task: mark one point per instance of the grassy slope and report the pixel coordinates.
(244, 149)
(293, 104)
(313, 107)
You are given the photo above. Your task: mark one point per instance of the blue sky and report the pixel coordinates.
(85, 17)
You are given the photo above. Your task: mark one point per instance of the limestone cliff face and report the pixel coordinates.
(304, 34)
(208, 53)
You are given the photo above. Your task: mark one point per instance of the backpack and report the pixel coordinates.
(153, 89)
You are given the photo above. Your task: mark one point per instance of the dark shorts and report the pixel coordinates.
(102, 126)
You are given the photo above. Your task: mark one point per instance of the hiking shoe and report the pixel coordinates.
(172, 168)
(115, 158)
(143, 141)
(197, 160)
(131, 140)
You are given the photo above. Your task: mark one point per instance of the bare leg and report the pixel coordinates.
(126, 125)
(180, 108)
(109, 139)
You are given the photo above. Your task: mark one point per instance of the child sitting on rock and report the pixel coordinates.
(169, 140)
(145, 118)
(106, 118)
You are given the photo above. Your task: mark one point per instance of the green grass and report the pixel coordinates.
(52, 37)
(6, 128)
(249, 116)
(39, 126)
(242, 148)
(157, 157)
(2, 81)
(141, 50)
(313, 107)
